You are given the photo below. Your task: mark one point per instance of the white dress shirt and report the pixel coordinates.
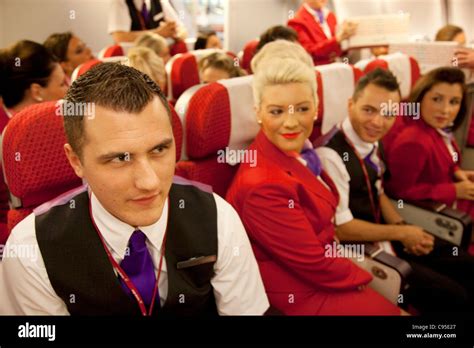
(448, 140)
(324, 26)
(119, 15)
(237, 285)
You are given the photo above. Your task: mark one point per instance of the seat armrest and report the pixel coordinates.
(451, 225)
(398, 264)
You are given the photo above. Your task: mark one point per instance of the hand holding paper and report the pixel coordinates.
(348, 29)
(465, 57)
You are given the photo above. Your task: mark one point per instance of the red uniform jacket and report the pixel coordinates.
(312, 37)
(288, 214)
(420, 165)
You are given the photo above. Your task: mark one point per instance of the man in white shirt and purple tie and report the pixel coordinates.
(133, 240)
(128, 19)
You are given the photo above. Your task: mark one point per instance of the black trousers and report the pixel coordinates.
(442, 281)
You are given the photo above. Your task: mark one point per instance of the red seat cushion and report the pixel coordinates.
(218, 116)
(177, 132)
(83, 68)
(36, 167)
(112, 51)
(208, 121)
(178, 47)
(184, 74)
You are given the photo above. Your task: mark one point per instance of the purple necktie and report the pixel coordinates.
(145, 12)
(368, 160)
(320, 15)
(312, 160)
(138, 265)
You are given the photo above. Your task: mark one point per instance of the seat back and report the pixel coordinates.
(35, 165)
(182, 71)
(247, 54)
(404, 67)
(84, 67)
(178, 47)
(336, 83)
(216, 118)
(111, 51)
(115, 50)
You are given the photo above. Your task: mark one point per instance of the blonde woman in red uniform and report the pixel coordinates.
(287, 203)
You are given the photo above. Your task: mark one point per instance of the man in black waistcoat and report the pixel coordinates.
(352, 154)
(128, 19)
(132, 241)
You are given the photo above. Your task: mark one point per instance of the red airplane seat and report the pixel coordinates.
(111, 51)
(335, 83)
(218, 120)
(182, 71)
(247, 54)
(35, 166)
(178, 47)
(122, 49)
(177, 131)
(404, 67)
(118, 50)
(83, 68)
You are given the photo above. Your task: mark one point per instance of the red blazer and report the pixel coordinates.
(312, 37)
(420, 165)
(288, 214)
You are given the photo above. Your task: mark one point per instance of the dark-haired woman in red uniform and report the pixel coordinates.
(424, 159)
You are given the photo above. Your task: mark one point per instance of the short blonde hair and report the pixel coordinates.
(148, 62)
(281, 49)
(152, 40)
(279, 67)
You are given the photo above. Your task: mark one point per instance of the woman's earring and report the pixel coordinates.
(315, 117)
(259, 121)
(39, 99)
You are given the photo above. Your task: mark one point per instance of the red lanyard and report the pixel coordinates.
(124, 275)
(375, 209)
